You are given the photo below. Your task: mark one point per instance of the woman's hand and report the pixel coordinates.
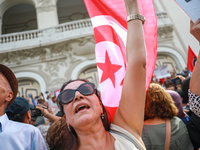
(43, 109)
(195, 29)
(181, 77)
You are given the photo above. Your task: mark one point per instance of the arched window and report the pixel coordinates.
(18, 18)
(70, 10)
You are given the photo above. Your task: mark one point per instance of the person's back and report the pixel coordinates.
(159, 107)
(19, 136)
(154, 136)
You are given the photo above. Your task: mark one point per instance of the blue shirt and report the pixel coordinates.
(19, 136)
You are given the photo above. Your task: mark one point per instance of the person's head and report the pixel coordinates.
(159, 103)
(41, 101)
(80, 102)
(178, 102)
(19, 111)
(53, 99)
(56, 134)
(8, 87)
(185, 88)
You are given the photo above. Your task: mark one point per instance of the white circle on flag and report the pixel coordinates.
(110, 93)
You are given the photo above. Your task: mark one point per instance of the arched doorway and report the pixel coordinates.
(28, 86)
(170, 57)
(31, 79)
(18, 18)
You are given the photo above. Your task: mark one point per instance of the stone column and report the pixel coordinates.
(46, 13)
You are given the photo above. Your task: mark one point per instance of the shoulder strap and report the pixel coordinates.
(126, 137)
(168, 134)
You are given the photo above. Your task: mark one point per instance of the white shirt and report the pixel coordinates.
(19, 136)
(53, 106)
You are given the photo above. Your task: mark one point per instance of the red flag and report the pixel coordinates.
(192, 58)
(110, 30)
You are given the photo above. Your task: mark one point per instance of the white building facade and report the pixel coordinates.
(48, 42)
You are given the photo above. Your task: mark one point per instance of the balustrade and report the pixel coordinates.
(36, 34)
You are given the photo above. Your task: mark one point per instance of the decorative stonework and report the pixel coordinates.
(56, 56)
(84, 40)
(57, 83)
(164, 26)
(45, 6)
(165, 32)
(39, 54)
(52, 67)
(18, 57)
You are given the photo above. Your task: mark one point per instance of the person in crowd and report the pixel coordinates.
(185, 88)
(178, 102)
(49, 115)
(32, 99)
(53, 108)
(19, 111)
(85, 115)
(159, 107)
(193, 124)
(57, 136)
(12, 133)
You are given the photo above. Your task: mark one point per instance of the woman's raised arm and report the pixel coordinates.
(195, 80)
(130, 113)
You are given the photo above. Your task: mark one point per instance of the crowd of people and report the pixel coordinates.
(166, 116)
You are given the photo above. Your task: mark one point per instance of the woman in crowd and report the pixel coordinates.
(178, 103)
(86, 117)
(194, 94)
(159, 107)
(57, 134)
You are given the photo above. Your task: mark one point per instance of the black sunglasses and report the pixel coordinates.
(67, 95)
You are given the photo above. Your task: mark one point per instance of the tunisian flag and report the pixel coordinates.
(192, 58)
(110, 30)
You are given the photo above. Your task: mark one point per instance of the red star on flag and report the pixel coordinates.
(108, 69)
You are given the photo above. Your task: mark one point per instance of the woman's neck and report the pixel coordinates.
(154, 121)
(96, 138)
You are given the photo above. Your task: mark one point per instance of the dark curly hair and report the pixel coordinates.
(72, 139)
(159, 103)
(56, 134)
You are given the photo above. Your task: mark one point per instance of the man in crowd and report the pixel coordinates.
(19, 111)
(15, 135)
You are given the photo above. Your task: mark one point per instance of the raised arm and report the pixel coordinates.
(130, 113)
(195, 80)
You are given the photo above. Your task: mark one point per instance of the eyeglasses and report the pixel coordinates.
(67, 95)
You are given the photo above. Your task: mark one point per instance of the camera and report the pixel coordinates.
(172, 82)
(176, 81)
